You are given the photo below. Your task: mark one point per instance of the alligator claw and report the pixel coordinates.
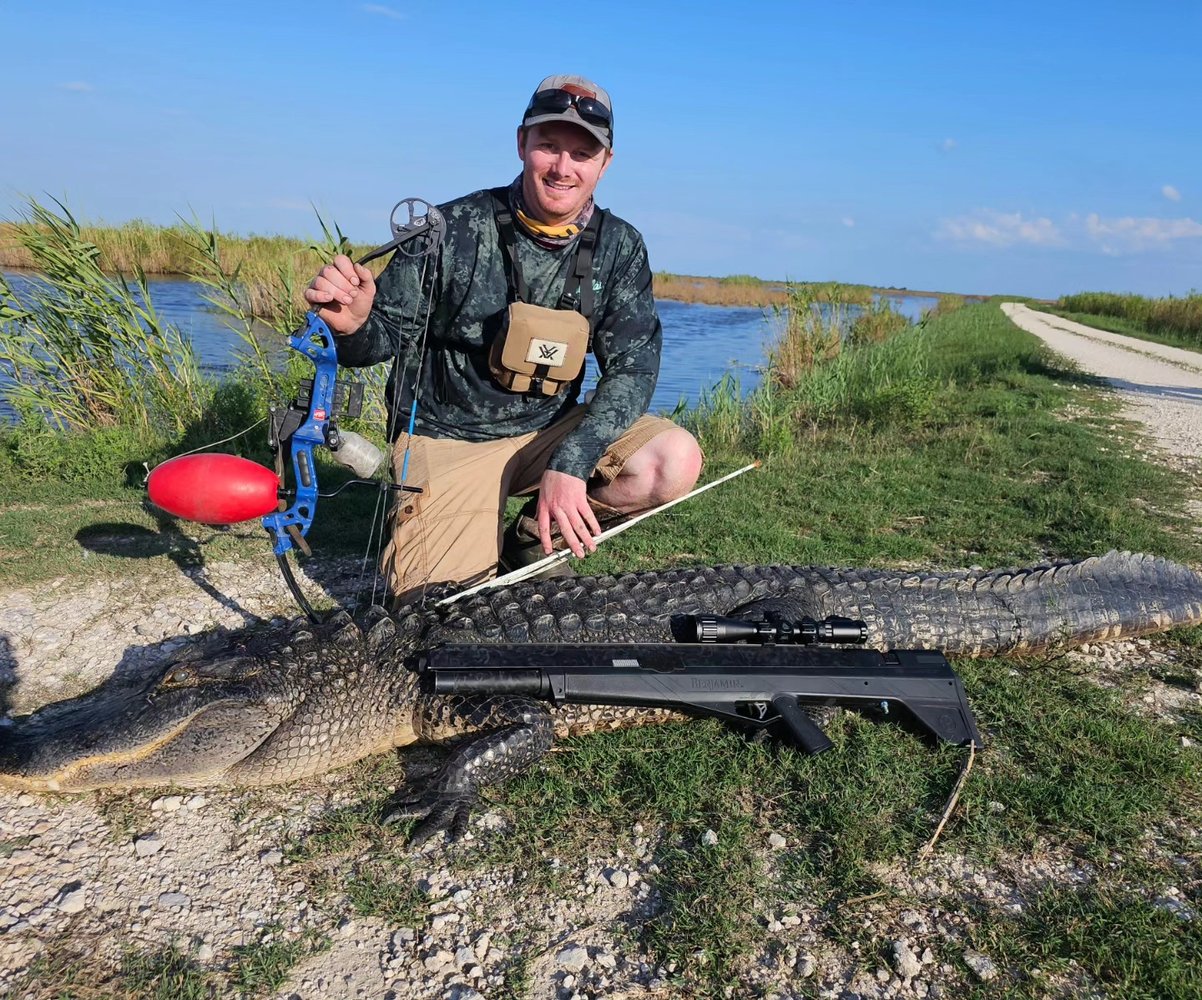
(439, 812)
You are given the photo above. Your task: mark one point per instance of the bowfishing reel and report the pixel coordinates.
(348, 448)
(834, 629)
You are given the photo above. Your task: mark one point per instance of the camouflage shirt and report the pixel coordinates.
(469, 294)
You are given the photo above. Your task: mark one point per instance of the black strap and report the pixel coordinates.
(518, 292)
(578, 287)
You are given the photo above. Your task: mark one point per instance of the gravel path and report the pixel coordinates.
(208, 872)
(1161, 386)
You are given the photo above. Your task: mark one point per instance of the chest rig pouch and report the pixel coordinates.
(541, 351)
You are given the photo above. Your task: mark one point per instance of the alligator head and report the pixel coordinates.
(273, 709)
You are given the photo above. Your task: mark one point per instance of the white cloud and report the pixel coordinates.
(1131, 235)
(848, 221)
(77, 86)
(1171, 192)
(999, 229)
(947, 145)
(1113, 236)
(377, 8)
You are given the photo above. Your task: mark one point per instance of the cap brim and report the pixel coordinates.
(570, 116)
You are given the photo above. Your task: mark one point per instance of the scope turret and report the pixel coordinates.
(804, 631)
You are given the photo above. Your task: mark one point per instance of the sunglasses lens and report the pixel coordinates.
(555, 102)
(593, 112)
(547, 102)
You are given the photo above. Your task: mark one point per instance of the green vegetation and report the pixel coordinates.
(1138, 947)
(261, 266)
(953, 442)
(1175, 321)
(257, 970)
(84, 350)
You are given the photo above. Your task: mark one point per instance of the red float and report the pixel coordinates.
(214, 489)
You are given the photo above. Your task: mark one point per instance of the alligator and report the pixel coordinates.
(277, 703)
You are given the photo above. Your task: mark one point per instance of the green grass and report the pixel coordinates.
(1116, 935)
(170, 973)
(956, 443)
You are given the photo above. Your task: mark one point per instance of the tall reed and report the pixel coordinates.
(876, 321)
(832, 360)
(811, 332)
(261, 263)
(83, 348)
(1178, 317)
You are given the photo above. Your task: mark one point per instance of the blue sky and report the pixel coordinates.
(991, 147)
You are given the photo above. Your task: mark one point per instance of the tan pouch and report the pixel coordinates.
(540, 350)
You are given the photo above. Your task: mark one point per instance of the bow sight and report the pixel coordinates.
(224, 489)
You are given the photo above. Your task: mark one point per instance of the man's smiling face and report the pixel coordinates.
(561, 165)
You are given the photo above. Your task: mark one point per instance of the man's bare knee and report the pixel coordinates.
(665, 468)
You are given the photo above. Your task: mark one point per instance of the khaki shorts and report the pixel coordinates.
(451, 532)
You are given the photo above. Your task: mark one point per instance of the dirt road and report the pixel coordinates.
(1161, 386)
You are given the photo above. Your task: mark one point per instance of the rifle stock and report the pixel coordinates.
(751, 686)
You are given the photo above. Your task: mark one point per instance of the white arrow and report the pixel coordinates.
(557, 557)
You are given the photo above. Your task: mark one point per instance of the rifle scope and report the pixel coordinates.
(803, 632)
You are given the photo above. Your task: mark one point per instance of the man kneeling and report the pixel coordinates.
(532, 277)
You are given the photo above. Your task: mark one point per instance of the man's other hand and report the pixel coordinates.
(564, 500)
(342, 294)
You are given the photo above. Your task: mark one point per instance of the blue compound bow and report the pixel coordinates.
(312, 422)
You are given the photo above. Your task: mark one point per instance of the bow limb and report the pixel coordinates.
(289, 526)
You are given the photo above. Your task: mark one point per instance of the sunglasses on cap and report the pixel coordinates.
(556, 102)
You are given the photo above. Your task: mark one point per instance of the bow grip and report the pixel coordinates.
(317, 344)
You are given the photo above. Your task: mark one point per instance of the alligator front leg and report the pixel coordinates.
(511, 735)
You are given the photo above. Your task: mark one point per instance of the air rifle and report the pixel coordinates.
(754, 675)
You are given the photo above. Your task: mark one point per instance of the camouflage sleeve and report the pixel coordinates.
(397, 316)
(627, 347)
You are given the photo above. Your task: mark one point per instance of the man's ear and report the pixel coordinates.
(522, 143)
(609, 158)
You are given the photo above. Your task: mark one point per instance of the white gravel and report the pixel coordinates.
(1161, 387)
(209, 871)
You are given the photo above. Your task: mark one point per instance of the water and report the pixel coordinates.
(701, 343)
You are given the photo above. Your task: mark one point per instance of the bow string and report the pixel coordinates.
(312, 423)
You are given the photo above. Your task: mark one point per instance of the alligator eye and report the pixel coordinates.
(180, 675)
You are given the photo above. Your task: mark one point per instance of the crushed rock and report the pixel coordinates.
(197, 871)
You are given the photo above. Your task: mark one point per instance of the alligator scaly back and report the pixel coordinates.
(968, 612)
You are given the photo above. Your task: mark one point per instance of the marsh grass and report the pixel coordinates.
(750, 291)
(1179, 319)
(811, 332)
(829, 358)
(264, 265)
(85, 349)
(944, 305)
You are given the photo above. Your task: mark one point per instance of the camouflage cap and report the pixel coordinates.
(566, 98)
